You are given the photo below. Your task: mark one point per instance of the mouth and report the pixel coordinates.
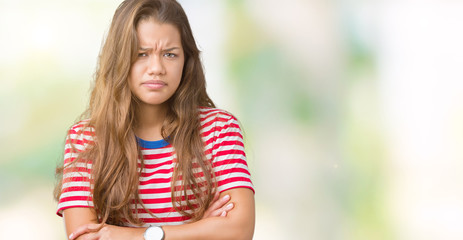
(154, 84)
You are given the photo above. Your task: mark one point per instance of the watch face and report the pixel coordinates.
(154, 233)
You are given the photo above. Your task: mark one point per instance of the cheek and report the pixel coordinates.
(136, 71)
(130, 83)
(179, 71)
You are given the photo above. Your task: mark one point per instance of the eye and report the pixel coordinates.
(170, 55)
(142, 54)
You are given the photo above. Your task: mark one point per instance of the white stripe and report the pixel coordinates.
(76, 174)
(164, 164)
(157, 205)
(79, 147)
(207, 137)
(209, 119)
(229, 156)
(206, 129)
(155, 195)
(75, 194)
(233, 175)
(229, 138)
(75, 203)
(79, 165)
(160, 215)
(157, 151)
(220, 140)
(234, 185)
(156, 176)
(230, 166)
(229, 147)
(158, 185)
(81, 137)
(203, 112)
(164, 224)
(70, 155)
(76, 184)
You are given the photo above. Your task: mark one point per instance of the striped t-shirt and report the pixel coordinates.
(224, 147)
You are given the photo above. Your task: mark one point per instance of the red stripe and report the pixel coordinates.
(157, 210)
(79, 141)
(234, 179)
(165, 220)
(154, 190)
(157, 156)
(164, 200)
(230, 134)
(228, 143)
(76, 198)
(76, 170)
(224, 135)
(230, 152)
(156, 200)
(160, 171)
(156, 181)
(76, 188)
(210, 111)
(228, 161)
(230, 171)
(74, 206)
(76, 179)
(80, 132)
(218, 128)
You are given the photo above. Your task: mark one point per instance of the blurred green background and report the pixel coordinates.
(352, 110)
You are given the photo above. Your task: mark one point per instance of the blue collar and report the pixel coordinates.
(152, 144)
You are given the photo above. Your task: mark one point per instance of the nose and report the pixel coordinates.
(156, 66)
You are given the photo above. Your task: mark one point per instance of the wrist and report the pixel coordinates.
(154, 233)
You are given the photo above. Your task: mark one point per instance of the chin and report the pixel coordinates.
(155, 102)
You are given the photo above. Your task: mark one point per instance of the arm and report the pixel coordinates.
(230, 167)
(82, 224)
(236, 224)
(239, 223)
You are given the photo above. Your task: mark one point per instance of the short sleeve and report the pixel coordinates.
(76, 184)
(228, 155)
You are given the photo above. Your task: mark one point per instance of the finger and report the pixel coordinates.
(217, 205)
(220, 202)
(216, 196)
(87, 228)
(220, 212)
(93, 236)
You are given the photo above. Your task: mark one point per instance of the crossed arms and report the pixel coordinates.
(221, 221)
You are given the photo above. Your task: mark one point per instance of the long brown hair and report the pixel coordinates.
(111, 113)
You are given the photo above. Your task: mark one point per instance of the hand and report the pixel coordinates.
(94, 232)
(218, 207)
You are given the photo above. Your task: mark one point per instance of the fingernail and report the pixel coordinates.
(223, 214)
(229, 206)
(226, 197)
(70, 236)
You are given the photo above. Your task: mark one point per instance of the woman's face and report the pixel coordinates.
(155, 75)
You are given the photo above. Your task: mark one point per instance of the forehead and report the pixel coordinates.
(150, 31)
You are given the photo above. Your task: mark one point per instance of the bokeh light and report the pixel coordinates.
(352, 110)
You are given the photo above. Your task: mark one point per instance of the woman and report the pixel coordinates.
(154, 158)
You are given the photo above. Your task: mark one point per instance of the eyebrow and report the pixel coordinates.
(164, 50)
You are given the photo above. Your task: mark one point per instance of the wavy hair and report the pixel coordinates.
(112, 110)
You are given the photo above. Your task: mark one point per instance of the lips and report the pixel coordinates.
(154, 84)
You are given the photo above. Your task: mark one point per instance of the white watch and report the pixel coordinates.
(154, 233)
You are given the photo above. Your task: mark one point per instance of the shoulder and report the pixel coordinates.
(208, 114)
(81, 130)
(218, 123)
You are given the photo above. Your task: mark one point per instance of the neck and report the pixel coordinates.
(149, 121)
